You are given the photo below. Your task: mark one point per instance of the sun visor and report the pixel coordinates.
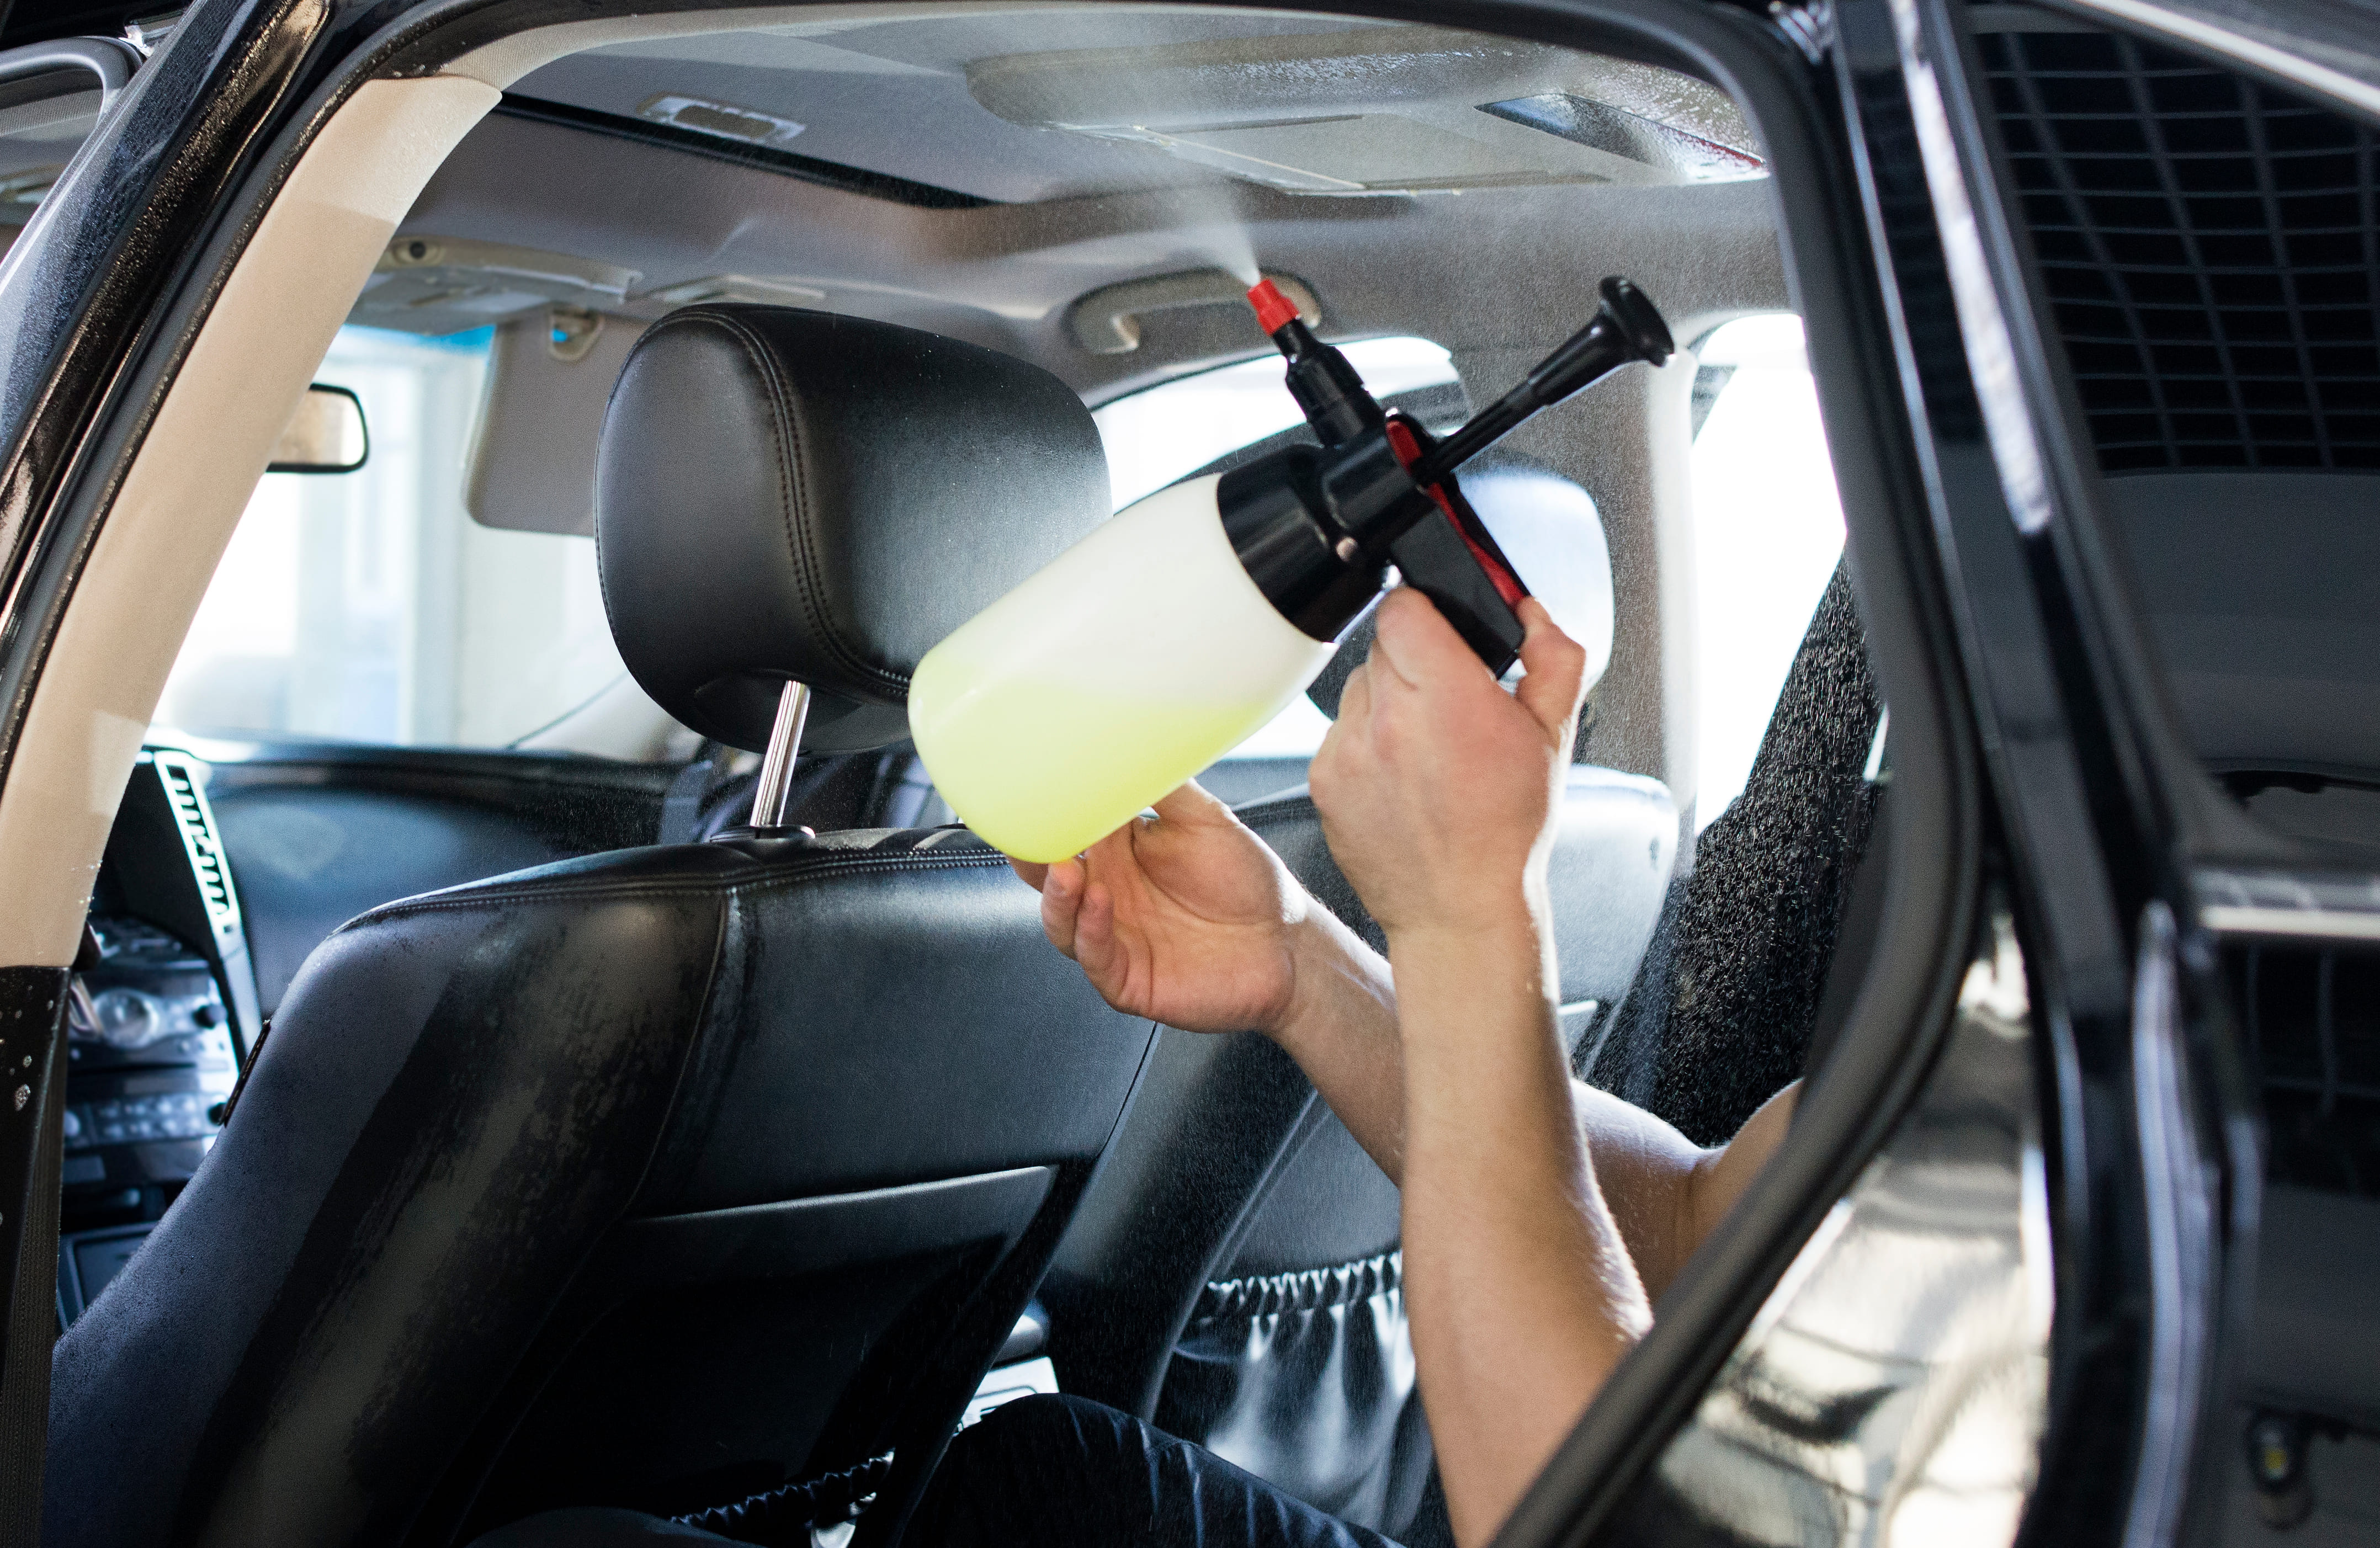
(532, 466)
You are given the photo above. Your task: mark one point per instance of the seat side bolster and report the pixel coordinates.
(455, 1105)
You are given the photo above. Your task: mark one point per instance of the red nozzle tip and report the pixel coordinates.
(1274, 310)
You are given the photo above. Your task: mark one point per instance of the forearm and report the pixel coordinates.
(1342, 1030)
(1522, 1293)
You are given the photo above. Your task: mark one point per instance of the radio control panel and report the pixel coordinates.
(148, 1051)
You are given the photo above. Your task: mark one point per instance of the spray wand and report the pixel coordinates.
(1361, 499)
(1171, 631)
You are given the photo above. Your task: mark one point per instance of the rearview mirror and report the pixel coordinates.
(326, 434)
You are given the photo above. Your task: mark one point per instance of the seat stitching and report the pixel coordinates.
(793, 495)
(627, 891)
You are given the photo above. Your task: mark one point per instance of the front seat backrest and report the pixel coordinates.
(705, 1177)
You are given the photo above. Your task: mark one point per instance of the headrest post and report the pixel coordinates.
(772, 792)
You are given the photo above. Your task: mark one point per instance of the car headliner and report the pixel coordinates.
(1506, 265)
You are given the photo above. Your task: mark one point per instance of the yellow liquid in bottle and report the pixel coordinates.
(1043, 770)
(1130, 662)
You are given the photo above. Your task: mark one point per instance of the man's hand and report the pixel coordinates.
(1436, 788)
(1437, 792)
(1186, 918)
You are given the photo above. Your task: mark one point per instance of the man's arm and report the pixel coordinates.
(1437, 792)
(1540, 1217)
(1665, 1192)
(1187, 918)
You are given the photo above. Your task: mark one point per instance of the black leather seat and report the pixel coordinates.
(678, 1178)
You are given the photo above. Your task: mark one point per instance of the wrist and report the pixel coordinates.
(1494, 957)
(1490, 902)
(1333, 974)
(1501, 928)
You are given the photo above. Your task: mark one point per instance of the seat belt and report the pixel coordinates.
(32, 1142)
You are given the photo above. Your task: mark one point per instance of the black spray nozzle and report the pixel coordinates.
(1626, 327)
(1328, 388)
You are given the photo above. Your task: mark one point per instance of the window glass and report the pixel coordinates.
(1767, 533)
(369, 606)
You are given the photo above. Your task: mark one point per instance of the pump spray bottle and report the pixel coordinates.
(1159, 642)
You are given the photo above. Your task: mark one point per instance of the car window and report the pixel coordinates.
(1768, 531)
(371, 607)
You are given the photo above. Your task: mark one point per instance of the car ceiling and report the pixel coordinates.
(1019, 106)
(1419, 179)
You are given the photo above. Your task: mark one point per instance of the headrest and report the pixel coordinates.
(1551, 530)
(787, 494)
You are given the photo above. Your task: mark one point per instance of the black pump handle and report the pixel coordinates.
(1626, 327)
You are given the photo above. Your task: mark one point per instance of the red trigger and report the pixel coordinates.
(1408, 450)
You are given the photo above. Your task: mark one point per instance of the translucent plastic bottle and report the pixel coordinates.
(1135, 659)
(1157, 643)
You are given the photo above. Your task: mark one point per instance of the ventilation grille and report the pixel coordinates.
(199, 838)
(2210, 249)
(2314, 1024)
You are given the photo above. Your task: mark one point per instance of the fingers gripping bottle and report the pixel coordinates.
(1159, 642)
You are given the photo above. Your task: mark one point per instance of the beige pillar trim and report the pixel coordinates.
(188, 482)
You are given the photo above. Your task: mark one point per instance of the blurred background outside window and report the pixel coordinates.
(1767, 532)
(370, 607)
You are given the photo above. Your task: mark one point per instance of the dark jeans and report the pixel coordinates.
(1058, 1472)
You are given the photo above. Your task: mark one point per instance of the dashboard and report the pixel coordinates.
(162, 1013)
